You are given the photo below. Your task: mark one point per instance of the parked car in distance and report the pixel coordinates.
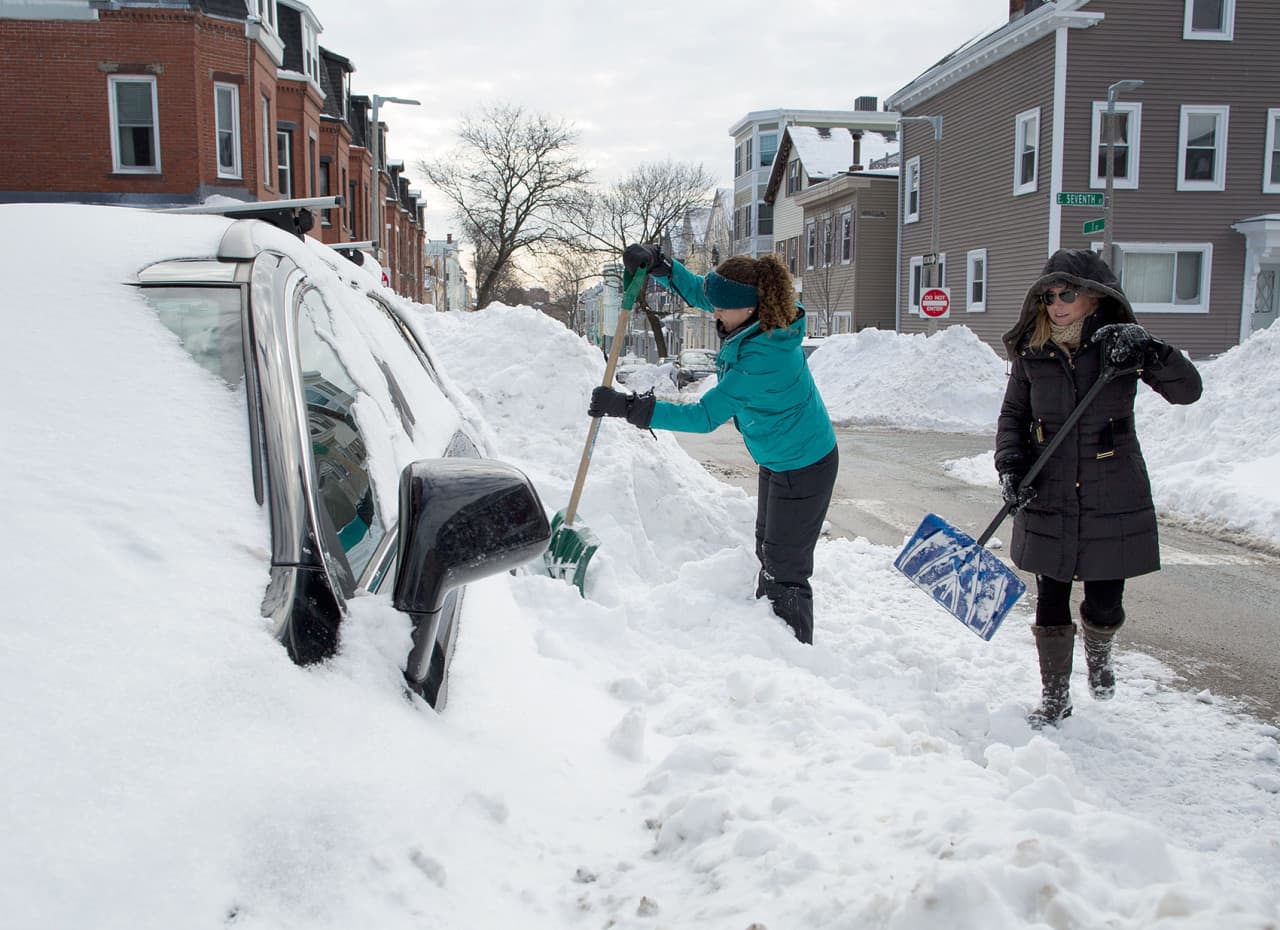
(693, 365)
(810, 344)
(366, 477)
(626, 365)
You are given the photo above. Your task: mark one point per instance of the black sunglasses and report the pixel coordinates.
(1067, 296)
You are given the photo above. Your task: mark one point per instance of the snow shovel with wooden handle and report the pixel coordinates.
(572, 545)
(954, 569)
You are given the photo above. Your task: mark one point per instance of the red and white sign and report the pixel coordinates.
(935, 302)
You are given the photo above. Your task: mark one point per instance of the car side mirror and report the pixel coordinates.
(462, 520)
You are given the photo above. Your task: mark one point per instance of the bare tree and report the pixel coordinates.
(567, 272)
(648, 205)
(511, 179)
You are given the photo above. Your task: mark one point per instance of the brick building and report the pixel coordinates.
(147, 105)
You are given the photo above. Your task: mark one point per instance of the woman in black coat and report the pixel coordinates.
(1088, 516)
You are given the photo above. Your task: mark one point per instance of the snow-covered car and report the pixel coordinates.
(353, 468)
(626, 365)
(693, 365)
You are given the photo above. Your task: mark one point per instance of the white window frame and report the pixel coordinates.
(117, 166)
(915, 270)
(1225, 34)
(1128, 181)
(971, 258)
(911, 180)
(1272, 153)
(810, 244)
(284, 167)
(1027, 118)
(846, 237)
(232, 171)
(828, 241)
(267, 14)
(268, 142)
(1206, 272)
(310, 51)
(1219, 180)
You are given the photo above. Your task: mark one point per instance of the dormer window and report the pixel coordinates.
(267, 14)
(310, 50)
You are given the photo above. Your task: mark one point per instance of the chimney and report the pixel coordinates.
(448, 238)
(857, 148)
(869, 104)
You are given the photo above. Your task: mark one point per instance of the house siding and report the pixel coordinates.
(979, 209)
(1243, 73)
(874, 251)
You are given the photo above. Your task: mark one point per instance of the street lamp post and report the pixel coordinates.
(1109, 127)
(375, 191)
(935, 279)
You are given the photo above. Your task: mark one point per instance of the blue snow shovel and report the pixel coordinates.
(954, 569)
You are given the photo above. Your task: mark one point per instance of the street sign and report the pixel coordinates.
(1094, 226)
(1080, 199)
(929, 259)
(935, 302)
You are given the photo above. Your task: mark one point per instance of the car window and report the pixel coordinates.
(345, 487)
(208, 322)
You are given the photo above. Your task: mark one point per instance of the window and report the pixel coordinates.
(313, 161)
(916, 277)
(1026, 156)
(135, 126)
(828, 241)
(267, 12)
(846, 236)
(976, 288)
(1165, 277)
(737, 161)
(793, 176)
(1209, 19)
(326, 216)
(1127, 124)
(266, 142)
(911, 192)
(764, 219)
(343, 482)
(793, 253)
(768, 148)
(208, 323)
(284, 161)
(310, 50)
(1271, 161)
(226, 110)
(1202, 149)
(810, 244)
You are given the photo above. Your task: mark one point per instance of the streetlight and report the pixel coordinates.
(1109, 127)
(375, 189)
(935, 278)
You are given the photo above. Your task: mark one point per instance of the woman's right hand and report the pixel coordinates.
(1015, 496)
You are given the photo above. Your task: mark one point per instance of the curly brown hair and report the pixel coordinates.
(772, 280)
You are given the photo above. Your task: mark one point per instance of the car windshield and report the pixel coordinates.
(207, 321)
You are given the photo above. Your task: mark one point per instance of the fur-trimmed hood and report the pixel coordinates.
(1081, 268)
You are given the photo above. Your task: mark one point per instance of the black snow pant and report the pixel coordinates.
(1102, 601)
(792, 507)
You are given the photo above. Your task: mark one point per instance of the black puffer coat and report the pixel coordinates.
(1092, 517)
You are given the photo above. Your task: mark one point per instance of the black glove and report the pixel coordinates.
(649, 257)
(1125, 344)
(638, 410)
(1015, 498)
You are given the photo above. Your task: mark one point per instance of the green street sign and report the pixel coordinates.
(1094, 226)
(1080, 199)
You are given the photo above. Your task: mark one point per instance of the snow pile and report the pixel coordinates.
(950, 381)
(1214, 463)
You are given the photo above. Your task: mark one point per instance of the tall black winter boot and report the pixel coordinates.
(1055, 644)
(1097, 652)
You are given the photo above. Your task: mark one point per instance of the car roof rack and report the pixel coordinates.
(296, 215)
(354, 252)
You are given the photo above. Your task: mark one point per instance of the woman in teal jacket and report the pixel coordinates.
(765, 387)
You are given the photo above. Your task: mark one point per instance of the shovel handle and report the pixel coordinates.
(633, 289)
(1108, 374)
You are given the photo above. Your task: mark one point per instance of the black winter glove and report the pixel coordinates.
(638, 410)
(649, 257)
(1015, 498)
(1125, 344)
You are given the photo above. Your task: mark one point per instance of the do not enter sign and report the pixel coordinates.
(935, 302)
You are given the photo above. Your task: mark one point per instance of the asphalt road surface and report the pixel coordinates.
(1212, 613)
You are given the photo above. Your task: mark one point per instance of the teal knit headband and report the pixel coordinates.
(729, 295)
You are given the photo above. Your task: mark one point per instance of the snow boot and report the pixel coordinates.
(1055, 645)
(1097, 652)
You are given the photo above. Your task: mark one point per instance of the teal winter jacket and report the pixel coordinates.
(764, 384)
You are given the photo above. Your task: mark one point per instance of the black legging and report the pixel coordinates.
(791, 508)
(1102, 602)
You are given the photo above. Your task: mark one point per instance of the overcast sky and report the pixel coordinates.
(643, 81)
